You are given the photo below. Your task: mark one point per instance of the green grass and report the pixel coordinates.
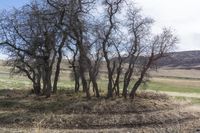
(20, 82)
(193, 100)
(7, 82)
(157, 86)
(23, 83)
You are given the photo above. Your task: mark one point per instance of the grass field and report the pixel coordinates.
(183, 83)
(175, 85)
(159, 84)
(68, 112)
(185, 89)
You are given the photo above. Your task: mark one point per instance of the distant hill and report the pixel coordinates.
(181, 60)
(184, 59)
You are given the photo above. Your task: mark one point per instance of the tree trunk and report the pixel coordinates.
(44, 88)
(49, 86)
(85, 85)
(57, 73)
(129, 73)
(83, 78)
(76, 76)
(110, 92)
(95, 86)
(77, 85)
(37, 88)
(138, 83)
(135, 87)
(117, 80)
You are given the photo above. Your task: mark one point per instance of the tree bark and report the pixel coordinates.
(57, 73)
(139, 81)
(135, 87)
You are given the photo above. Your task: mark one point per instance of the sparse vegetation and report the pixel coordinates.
(20, 110)
(67, 111)
(71, 69)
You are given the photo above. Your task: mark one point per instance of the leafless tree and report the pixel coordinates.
(156, 49)
(139, 29)
(30, 32)
(37, 36)
(73, 61)
(112, 9)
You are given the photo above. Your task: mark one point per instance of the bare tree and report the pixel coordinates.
(112, 9)
(139, 29)
(37, 36)
(30, 33)
(159, 46)
(74, 65)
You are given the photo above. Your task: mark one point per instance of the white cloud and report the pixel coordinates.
(181, 15)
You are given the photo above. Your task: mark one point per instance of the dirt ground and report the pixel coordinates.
(66, 112)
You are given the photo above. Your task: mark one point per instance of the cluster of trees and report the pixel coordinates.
(88, 33)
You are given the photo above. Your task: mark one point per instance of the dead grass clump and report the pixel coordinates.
(63, 111)
(8, 93)
(113, 106)
(10, 104)
(152, 95)
(17, 119)
(97, 121)
(79, 107)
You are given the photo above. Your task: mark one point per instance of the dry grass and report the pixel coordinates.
(177, 73)
(178, 82)
(186, 95)
(66, 112)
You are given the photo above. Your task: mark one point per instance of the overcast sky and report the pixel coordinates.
(180, 15)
